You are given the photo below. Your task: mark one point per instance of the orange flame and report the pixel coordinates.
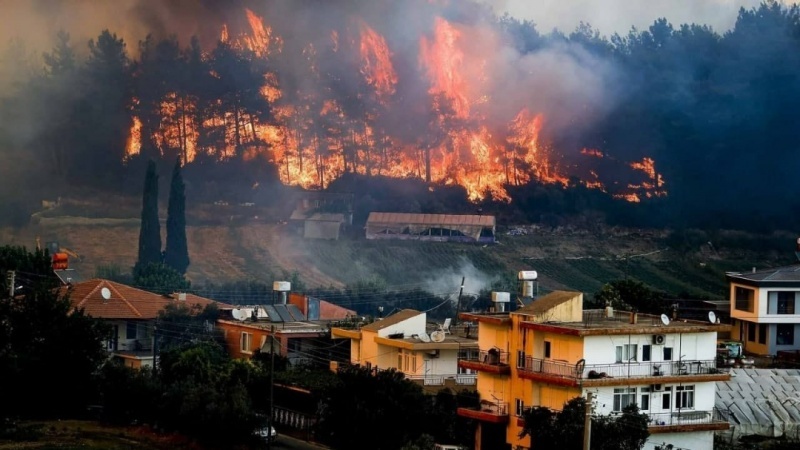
(377, 62)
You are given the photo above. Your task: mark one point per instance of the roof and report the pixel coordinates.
(431, 219)
(391, 320)
(786, 274)
(761, 402)
(124, 302)
(547, 302)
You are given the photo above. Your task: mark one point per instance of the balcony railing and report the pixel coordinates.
(492, 357)
(439, 380)
(496, 408)
(631, 369)
(685, 417)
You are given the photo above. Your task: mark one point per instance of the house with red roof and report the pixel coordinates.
(130, 312)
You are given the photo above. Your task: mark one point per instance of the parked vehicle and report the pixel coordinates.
(731, 354)
(267, 433)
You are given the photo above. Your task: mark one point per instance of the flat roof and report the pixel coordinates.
(597, 322)
(431, 219)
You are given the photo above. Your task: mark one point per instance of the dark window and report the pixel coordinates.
(785, 334)
(785, 302)
(645, 353)
(751, 332)
(665, 398)
(744, 299)
(667, 353)
(645, 405)
(130, 330)
(546, 349)
(762, 333)
(293, 345)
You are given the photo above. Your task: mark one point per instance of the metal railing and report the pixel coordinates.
(631, 369)
(493, 357)
(685, 417)
(496, 408)
(439, 380)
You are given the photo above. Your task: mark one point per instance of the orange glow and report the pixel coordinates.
(318, 138)
(376, 63)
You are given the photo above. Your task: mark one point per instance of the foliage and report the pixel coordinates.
(128, 395)
(365, 403)
(630, 295)
(176, 253)
(178, 324)
(34, 269)
(42, 335)
(159, 278)
(564, 430)
(150, 229)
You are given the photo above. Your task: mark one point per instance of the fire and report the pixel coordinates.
(376, 63)
(315, 138)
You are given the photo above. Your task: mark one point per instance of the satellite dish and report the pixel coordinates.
(437, 336)
(712, 317)
(106, 293)
(239, 314)
(424, 337)
(664, 319)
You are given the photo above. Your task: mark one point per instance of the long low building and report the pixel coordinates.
(431, 227)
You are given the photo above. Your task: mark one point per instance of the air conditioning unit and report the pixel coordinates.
(655, 388)
(659, 339)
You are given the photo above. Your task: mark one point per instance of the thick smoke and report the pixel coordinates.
(618, 16)
(449, 280)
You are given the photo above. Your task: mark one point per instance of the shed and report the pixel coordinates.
(433, 227)
(323, 226)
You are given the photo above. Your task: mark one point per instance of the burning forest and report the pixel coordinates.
(447, 93)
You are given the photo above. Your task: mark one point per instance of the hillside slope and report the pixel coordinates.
(257, 250)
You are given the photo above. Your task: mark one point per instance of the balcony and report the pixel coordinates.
(443, 380)
(688, 420)
(488, 411)
(562, 372)
(493, 361)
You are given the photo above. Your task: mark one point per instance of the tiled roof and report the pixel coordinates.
(124, 302)
(391, 320)
(547, 302)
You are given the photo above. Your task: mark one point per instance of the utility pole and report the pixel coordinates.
(458, 304)
(587, 422)
(271, 384)
(11, 282)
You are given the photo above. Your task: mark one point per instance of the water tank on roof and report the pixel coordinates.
(527, 275)
(500, 299)
(282, 286)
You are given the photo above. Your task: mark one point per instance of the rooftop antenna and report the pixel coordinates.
(106, 293)
(437, 336)
(712, 317)
(665, 319)
(424, 337)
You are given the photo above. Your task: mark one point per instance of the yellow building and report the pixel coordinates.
(551, 351)
(427, 354)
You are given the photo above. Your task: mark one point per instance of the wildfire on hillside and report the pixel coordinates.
(314, 139)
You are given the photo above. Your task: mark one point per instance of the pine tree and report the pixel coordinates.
(176, 254)
(150, 231)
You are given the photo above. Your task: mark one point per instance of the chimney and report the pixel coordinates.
(182, 296)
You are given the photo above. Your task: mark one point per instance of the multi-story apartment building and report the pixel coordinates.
(765, 309)
(404, 341)
(551, 351)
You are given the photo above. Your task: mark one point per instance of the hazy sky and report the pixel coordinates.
(610, 16)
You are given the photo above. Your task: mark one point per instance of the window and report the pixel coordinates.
(520, 358)
(546, 349)
(762, 333)
(684, 397)
(293, 345)
(785, 334)
(646, 352)
(623, 397)
(667, 353)
(744, 299)
(644, 405)
(785, 302)
(665, 397)
(246, 342)
(627, 352)
(520, 409)
(751, 332)
(130, 330)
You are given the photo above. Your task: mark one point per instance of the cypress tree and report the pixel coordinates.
(150, 230)
(176, 254)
